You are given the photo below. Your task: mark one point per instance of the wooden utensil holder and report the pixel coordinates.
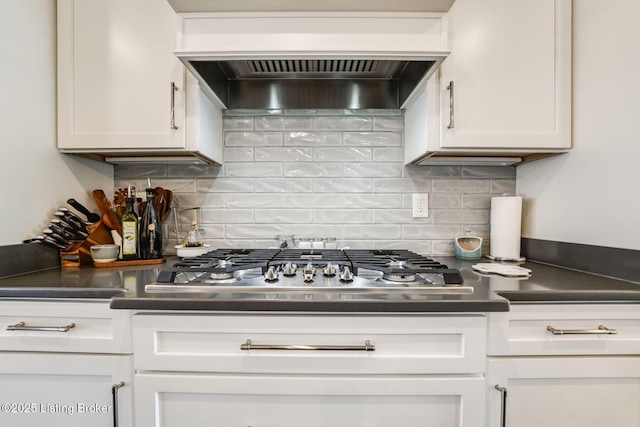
(79, 254)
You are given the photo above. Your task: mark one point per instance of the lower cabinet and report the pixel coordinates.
(570, 365)
(314, 370)
(563, 391)
(71, 390)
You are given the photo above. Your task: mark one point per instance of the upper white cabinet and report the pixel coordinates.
(505, 89)
(122, 91)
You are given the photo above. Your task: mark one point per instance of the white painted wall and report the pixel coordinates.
(592, 194)
(35, 178)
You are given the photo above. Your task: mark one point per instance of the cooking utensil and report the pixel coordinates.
(55, 236)
(91, 216)
(46, 241)
(163, 206)
(109, 217)
(62, 231)
(75, 217)
(71, 222)
(78, 232)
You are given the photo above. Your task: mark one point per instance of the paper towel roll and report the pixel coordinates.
(506, 226)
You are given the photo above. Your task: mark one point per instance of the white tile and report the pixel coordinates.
(343, 216)
(257, 170)
(283, 216)
(385, 231)
(284, 185)
(252, 139)
(240, 154)
(316, 139)
(225, 185)
(372, 170)
(225, 216)
(314, 169)
(353, 123)
(283, 154)
(343, 154)
(386, 201)
(343, 185)
(373, 139)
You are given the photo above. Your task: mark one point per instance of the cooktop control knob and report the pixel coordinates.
(346, 275)
(308, 273)
(271, 275)
(289, 269)
(329, 270)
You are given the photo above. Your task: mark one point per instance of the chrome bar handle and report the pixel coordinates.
(248, 345)
(503, 404)
(602, 330)
(114, 399)
(22, 326)
(174, 89)
(451, 111)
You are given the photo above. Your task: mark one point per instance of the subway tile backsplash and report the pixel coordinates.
(325, 173)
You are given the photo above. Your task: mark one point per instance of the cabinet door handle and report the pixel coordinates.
(503, 404)
(602, 330)
(174, 89)
(114, 399)
(248, 345)
(22, 326)
(451, 111)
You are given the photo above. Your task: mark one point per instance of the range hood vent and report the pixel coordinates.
(291, 67)
(312, 60)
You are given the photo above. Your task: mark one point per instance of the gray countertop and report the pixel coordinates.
(125, 288)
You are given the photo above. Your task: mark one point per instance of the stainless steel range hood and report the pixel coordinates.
(311, 60)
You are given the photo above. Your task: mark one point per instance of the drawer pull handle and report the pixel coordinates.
(174, 89)
(602, 330)
(114, 398)
(248, 345)
(503, 407)
(451, 110)
(22, 326)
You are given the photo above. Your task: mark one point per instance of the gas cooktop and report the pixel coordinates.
(310, 271)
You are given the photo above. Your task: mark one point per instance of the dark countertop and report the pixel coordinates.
(125, 288)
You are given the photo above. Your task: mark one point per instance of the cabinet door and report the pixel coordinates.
(564, 391)
(171, 400)
(115, 69)
(511, 72)
(40, 389)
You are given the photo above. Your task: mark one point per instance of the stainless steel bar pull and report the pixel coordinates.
(114, 399)
(248, 345)
(503, 407)
(451, 110)
(174, 89)
(601, 330)
(22, 326)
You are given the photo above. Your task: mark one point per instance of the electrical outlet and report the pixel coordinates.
(420, 205)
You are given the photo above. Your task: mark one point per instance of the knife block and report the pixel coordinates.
(79, 253)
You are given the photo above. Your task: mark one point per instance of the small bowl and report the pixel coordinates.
(104, 253)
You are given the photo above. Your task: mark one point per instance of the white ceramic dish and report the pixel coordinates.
(190, 252)
(104, 253)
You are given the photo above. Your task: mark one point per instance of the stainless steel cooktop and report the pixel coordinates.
(310, 271)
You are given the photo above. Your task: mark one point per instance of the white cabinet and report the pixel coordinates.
(65, 363)
(122, 91)
(71, 390)
(505, 90)
(564, 364)
(316, 370)
(564, 391)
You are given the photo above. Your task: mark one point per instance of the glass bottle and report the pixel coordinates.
(129, 222)
(193, 239)
(150, 236)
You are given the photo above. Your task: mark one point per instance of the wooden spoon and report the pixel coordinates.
(109, 217)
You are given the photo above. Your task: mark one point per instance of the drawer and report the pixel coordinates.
(165, 400)
(64, 326)
(565, 329)
(310, 343)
